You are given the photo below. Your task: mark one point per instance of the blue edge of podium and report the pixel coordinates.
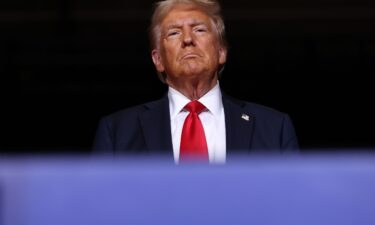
(314, 189)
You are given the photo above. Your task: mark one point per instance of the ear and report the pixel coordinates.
(222, 55)
(157, 60)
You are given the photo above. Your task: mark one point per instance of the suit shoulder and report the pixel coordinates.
(259, 110)
(272, 129)
(256, 109)
(131, 113)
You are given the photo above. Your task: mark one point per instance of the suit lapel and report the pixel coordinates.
(239, 125)
(155, 122)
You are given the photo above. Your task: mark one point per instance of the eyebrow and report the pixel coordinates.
(194, 23)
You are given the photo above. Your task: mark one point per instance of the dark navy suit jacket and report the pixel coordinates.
(146, 129)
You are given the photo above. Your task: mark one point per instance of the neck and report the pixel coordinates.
(193, 89)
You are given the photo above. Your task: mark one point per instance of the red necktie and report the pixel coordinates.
(193, 140)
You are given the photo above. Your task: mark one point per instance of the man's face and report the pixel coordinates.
(189, 46)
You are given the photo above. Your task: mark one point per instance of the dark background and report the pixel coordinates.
(66, 63)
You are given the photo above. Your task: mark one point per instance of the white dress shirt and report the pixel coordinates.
(213, 121)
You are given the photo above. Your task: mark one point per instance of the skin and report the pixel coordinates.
(189, 51)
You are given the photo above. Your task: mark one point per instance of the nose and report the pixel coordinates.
(188, 39)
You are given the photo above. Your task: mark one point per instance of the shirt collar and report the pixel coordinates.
(212, 100)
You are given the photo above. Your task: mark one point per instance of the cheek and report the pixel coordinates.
(170, 53)
(165, 56)
(214, 54)
(212, 49)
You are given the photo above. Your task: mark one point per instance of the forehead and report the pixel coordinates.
(185, 15)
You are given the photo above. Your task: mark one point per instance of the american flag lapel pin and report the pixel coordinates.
(245, 117)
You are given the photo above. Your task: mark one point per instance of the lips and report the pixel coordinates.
(189, 55)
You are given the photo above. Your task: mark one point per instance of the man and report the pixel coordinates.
(195, 119)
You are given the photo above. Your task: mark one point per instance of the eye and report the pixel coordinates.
(200, 30)
(172, 33)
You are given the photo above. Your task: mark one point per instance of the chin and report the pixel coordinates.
(192, 74)
(193, 71)
(192, 68)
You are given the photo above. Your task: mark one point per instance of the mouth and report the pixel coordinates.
(190, 56)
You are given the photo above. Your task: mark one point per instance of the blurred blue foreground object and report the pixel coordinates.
(303, 190)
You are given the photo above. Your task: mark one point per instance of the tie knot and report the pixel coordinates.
(195, 107)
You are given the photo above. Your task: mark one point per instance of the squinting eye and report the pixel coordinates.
(172, 33)
(200, 30)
